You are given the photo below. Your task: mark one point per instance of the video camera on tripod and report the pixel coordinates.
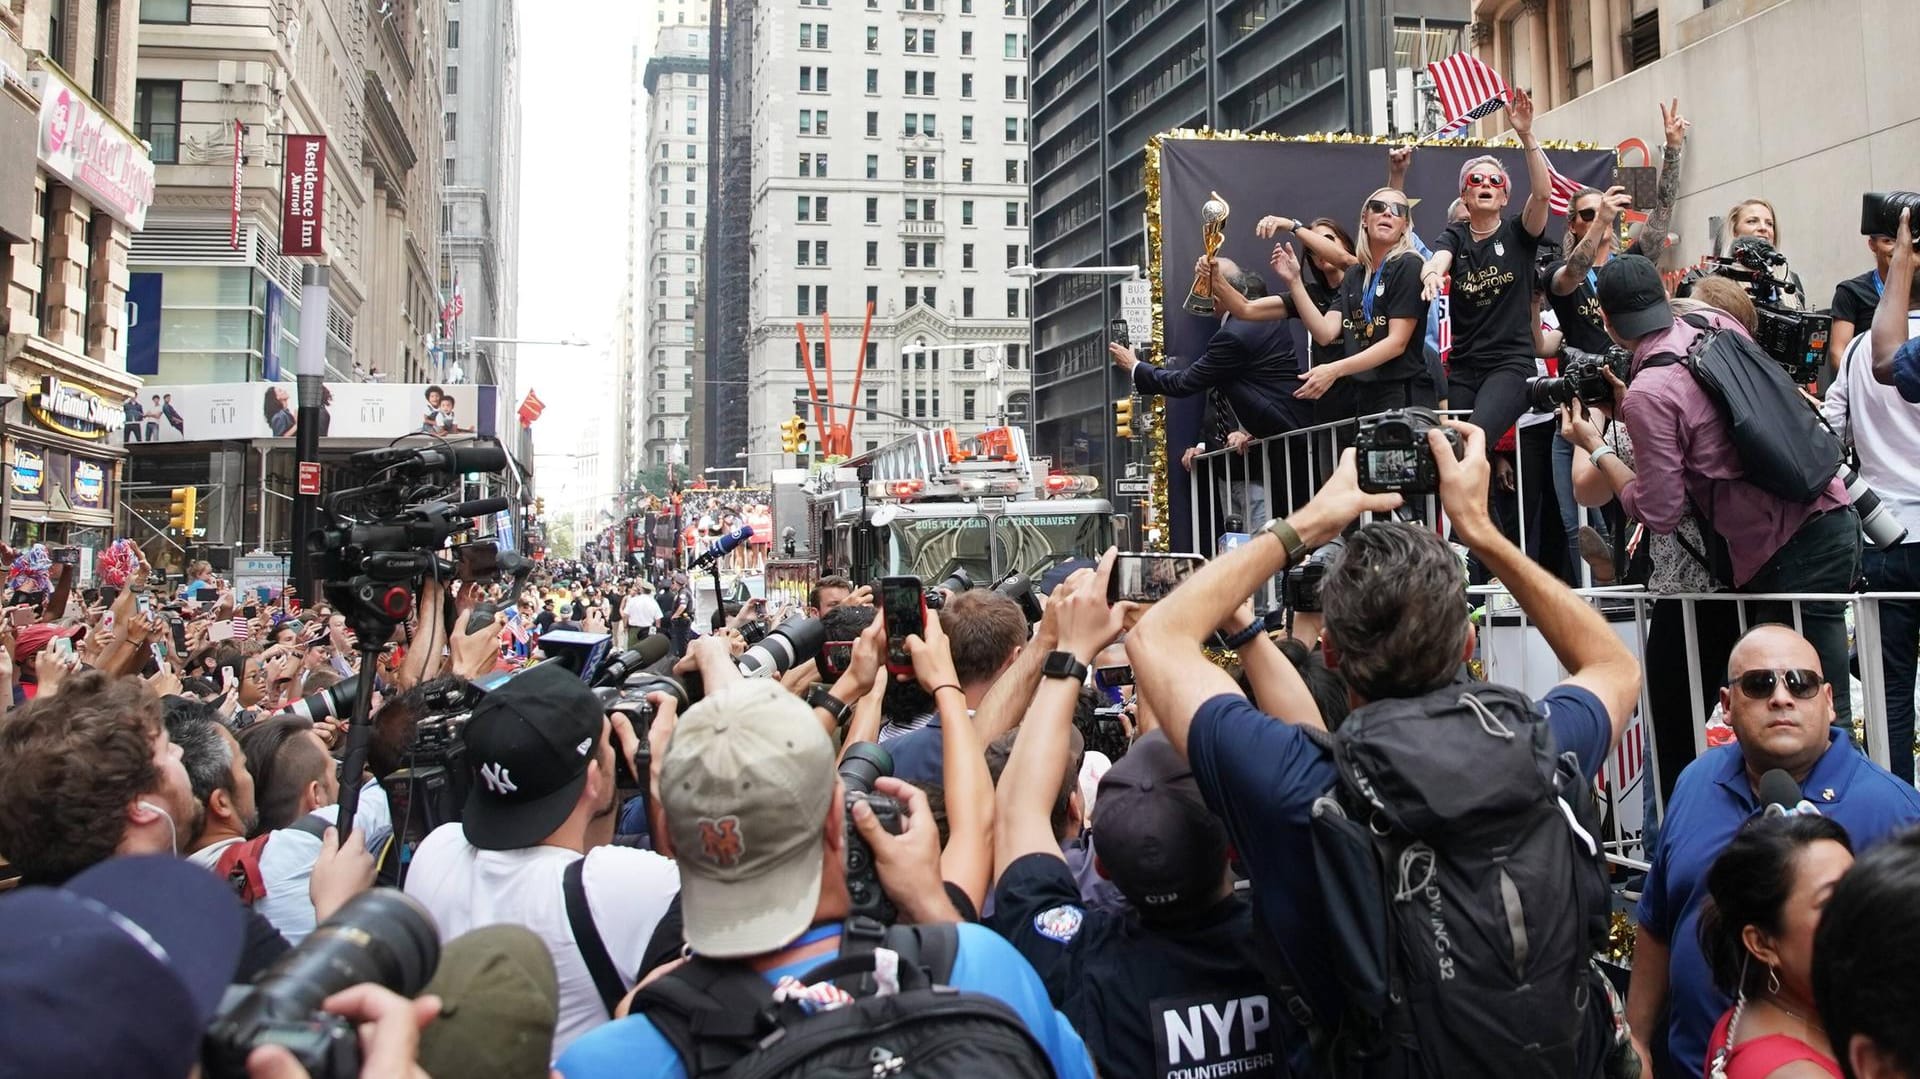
(1796, 339)
(377, 546)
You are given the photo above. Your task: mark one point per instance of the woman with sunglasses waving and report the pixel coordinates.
(1490, 263)
(1379, 312)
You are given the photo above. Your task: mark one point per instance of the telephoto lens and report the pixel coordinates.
(796, 641)
(1881, 527)
(380, 936)
(335, 700)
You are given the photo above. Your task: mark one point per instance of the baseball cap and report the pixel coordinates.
(746, 785)
(119, 971)
(499, 1005)
(1153, 834)
(528, 744)
(1633, 297)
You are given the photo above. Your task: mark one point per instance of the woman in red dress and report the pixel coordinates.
(1768, 889)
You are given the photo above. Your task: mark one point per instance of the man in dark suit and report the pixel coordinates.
(1252, 368)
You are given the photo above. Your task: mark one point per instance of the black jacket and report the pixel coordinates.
(1254, 367)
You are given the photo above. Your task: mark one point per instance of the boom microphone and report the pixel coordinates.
(723, 546)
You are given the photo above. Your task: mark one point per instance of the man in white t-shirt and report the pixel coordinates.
(641, 612)
(540, 755)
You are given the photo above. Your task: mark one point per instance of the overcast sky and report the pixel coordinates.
(574, 75)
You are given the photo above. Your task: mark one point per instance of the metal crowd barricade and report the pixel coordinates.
(1513, 653)
(1277, 475)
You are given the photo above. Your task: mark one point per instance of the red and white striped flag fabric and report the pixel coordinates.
(1560, 198)
(1469, 89)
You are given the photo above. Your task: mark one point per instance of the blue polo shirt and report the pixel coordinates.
(1906, 370)
(1261, 777)
(1711, 800)
(918, 755)
(632, 1048)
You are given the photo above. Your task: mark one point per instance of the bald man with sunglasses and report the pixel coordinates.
(1781, 711)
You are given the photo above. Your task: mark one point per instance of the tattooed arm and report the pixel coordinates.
(1599, 237)
(1653, 235)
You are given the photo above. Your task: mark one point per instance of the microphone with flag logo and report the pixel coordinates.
(1780, 796)
(723, 546)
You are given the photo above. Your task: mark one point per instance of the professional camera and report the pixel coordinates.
(1797, 340)
(1300, 587)
(328, 703)
(1393, 453)
(863, 763)
(1881, 527)
(1582, 377)
(1106, 731)
(380, 936)
(957, 581)
(1880, 213)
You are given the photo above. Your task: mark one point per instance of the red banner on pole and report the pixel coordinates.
(239, 177)
(303, 195)
(309, 477)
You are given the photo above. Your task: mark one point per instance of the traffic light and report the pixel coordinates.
(793, 434)
(185, 504)
(539, 507)
(1123, 418)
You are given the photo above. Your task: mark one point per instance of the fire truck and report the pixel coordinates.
(936, 501)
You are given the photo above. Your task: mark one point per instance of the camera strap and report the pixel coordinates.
(586, 936)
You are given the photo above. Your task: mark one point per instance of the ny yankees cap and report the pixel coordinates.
(528, 746)
(1153, 834)
(746, 785)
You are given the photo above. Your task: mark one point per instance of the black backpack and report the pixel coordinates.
(1465, 894)
(1784, 447)
(722, 1019)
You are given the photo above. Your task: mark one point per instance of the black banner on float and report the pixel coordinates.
(1258, 176)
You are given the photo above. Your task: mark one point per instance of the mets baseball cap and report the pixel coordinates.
(528, 746)
(746, 785)
(1154, 836)
(1633, 297)
(117, 972)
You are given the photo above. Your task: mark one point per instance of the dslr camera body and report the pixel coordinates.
(1300, 585)
(1393, 455)
(863, 763)
(1582, 377)
(1797, 340)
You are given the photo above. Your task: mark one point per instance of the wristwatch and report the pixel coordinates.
(1064, 665)
(1290, 540)
(820, 696)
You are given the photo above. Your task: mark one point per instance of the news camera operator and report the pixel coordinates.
(1884, 432)
(1685, 457)
(541, 801)
(1396, 627)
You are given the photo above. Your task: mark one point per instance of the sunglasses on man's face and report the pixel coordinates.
(1587, 214)
(1486, 179)
(1380, 206)
(1802, 684)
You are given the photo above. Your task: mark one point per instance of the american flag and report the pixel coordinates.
(453, 309)
(1560, 198)
(1469, 90)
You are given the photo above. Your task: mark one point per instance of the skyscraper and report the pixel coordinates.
(672, 180)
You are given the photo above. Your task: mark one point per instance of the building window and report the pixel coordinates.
(873, 402)
(803, 251)
(1013, 303)
(1013, 170)
(966, 43)
(873, 39)
(873, 300)
(1013, 129)
(102, 63)
(873, 166)
(453, 33)
(966, 211)
(156, 118)
(966, 170)
(910, 256)
(452, 126)
(966, 128)
(171, 11)
(966, 306)
(873, 211)
(1013, 213)
(873, 254)
(966, 404)
(966, 256)
(910, 166)
(873, 125)
(453, 79)
(873, 80)
(966, 85)
(873, 351)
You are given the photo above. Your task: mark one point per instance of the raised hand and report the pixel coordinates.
(1675, 124)
(1272, 225)
(1286, 263)
(1520, 112)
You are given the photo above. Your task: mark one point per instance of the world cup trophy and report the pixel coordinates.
(1213, 232)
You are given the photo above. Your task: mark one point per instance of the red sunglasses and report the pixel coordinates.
(1486, 179)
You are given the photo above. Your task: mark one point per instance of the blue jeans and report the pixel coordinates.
(1898, 570)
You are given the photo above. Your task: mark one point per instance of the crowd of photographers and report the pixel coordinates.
(1118, 821)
